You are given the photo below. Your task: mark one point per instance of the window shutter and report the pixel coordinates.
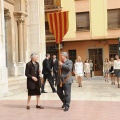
(82, 21)
(114, 18)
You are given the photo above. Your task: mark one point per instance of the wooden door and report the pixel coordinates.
(97, 58)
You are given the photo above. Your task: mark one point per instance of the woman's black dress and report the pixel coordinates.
(36, 91)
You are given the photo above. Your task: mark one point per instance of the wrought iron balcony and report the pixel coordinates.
(49, 35)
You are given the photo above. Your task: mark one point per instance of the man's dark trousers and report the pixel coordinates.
(49, 77)
(64, 93)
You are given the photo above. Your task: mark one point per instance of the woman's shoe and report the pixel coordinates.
(27, 107)
(39, 107)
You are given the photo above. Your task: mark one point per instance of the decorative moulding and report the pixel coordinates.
(20, 14)
(10, 1)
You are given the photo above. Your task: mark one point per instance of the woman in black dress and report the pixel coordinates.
(33, 80)
(111, 70)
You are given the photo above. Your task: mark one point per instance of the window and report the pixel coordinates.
(49, 2)
(72, 55)
(82, 21)
(47, 29)
(113, 50)
(114, 18)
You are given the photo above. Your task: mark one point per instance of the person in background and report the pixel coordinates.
(111, 70)
(79, 71)
(87, 69)
(75, 72)
(54, 67)
(84, 68)
(33, 80)
(106, 66)
(47, 74)
(117, 68)
(91, 68)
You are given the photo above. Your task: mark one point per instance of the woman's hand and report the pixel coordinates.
(34, 78)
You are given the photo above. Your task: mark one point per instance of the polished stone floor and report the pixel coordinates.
(96, 100)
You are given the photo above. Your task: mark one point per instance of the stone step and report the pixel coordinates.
(15, 92)
(16, 85)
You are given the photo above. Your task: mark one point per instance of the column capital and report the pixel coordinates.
(7, 14)
(20, 20)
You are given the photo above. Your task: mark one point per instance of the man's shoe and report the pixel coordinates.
(63, 106)
(54, 91)
(66, 109)
(43, 92)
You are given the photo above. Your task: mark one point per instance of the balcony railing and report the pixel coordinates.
(51, 7)
(49, 35)
(48, 32)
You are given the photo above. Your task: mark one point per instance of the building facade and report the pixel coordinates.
(94, 28)
(21, 33)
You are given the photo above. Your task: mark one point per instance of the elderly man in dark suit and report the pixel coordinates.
(47, 72)
(64, 91)
(33, 80)
(54, 67)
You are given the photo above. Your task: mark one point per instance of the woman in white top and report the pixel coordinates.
(106, 67)
(117, 68)
(87, 69)
(78, 69)
(111, 70)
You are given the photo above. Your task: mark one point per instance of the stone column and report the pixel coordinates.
(20, 40)
(36, 29)
(3, 69)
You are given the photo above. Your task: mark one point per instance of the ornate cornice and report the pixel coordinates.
(20, 14)
(10, 1)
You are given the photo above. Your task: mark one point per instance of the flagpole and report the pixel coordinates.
(59, 51)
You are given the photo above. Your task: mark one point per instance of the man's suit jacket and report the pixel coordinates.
(54, 65)
(46, 67)
(30, 72)
(66, 69)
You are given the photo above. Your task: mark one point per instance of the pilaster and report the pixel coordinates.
(3, 69)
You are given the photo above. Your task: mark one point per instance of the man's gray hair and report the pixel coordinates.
(33, 55)
(64, 54)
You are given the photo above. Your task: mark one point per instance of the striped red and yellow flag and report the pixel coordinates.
(58, 24)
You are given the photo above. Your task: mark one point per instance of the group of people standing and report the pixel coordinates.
(112, 69)
(63, 80)
(82, 69)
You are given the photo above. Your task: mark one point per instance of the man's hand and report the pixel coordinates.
(52, 73)
(34, 78)
(60, 63)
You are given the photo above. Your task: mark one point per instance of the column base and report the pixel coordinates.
(3, 81)
(17, 70)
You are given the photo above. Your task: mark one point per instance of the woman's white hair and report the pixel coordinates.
(33, 55)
